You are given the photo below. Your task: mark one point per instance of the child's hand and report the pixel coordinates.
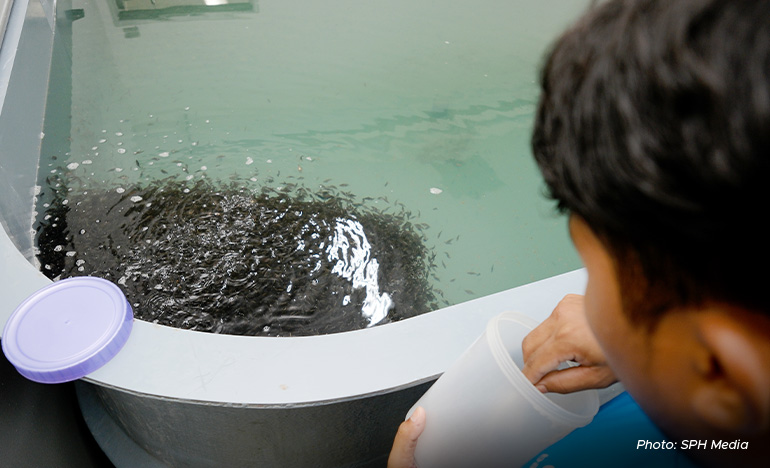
(565, 336)
(402, 453)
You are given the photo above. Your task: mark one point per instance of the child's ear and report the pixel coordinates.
(733, 392)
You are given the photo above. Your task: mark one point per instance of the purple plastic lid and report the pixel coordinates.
(68, 329)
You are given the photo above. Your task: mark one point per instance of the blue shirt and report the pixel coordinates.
(611, 440)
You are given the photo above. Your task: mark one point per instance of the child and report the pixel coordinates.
(653, 135)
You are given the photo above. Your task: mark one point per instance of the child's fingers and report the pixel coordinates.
(402, 453)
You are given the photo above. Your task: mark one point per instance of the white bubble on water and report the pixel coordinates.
(120, 190)
(72, 166)
(136, 198)
(103, 140)
(435, 191)
(87, 161)
(121, 150)
(163, 154)
(71, 253)
(249, 161)
(118, 133)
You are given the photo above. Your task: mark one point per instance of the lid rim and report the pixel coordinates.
(94, 344)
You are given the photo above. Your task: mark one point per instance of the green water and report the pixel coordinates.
(425, 105)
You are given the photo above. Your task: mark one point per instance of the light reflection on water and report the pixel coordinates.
(351, 254)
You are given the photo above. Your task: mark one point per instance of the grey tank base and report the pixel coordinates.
(136, 430)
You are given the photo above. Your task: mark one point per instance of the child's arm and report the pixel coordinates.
(565, 336)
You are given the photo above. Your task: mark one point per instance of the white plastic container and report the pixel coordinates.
(483, 412)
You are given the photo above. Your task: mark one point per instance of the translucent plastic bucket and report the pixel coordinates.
(483, 412)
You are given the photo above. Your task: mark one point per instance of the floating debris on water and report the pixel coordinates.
(225, 258)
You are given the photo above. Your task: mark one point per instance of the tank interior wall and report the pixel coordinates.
(40, 425)
(41, 55)
(352, 433)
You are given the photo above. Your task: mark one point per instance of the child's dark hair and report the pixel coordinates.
(654, 127)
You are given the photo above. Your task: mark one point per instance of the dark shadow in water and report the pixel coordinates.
(226, 259)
